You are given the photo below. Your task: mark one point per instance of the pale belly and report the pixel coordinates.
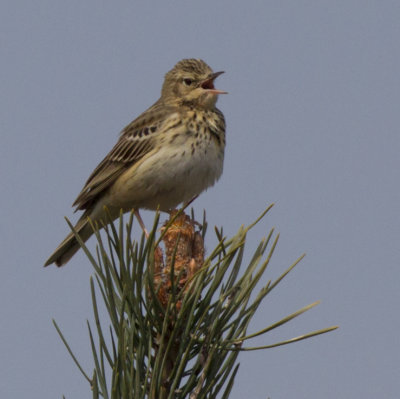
(170, 176)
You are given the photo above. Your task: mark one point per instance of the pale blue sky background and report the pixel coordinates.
(312, 124)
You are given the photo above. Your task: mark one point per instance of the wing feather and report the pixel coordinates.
(135, 141)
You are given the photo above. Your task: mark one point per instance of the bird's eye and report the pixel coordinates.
(187, 81)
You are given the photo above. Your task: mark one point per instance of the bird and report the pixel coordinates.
(167, 156)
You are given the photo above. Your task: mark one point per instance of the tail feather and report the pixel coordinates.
(67, 249)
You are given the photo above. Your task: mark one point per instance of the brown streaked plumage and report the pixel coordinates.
(168, 155)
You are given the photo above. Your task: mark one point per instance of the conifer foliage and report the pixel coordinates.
(169, 320)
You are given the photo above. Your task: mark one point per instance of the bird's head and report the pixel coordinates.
(191, 81)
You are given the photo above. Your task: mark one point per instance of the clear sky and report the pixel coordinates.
(312, 125)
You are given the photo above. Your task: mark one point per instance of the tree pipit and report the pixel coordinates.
(168, 155)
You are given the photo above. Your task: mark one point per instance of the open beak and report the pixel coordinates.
(208, 84)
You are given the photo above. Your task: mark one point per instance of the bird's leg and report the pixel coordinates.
(140, 220)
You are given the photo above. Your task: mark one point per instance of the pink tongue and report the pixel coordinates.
(208, 85)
